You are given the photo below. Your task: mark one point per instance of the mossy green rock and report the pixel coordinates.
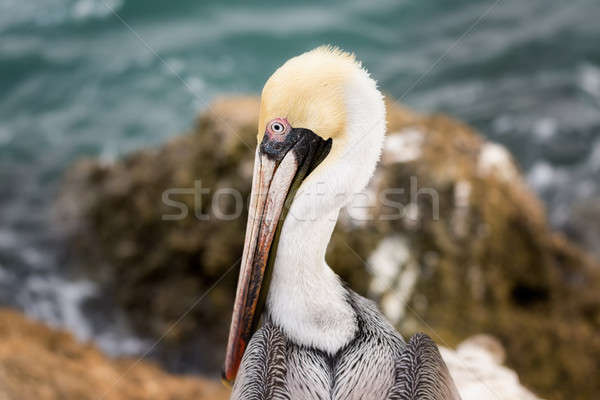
(449, 240)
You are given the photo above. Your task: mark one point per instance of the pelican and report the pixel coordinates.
(320, 133)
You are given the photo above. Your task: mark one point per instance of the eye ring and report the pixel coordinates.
(278, 127)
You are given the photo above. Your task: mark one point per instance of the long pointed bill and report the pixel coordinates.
(282, 161)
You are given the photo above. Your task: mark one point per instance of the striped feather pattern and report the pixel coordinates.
(263, 369)
(376, 365)
(422, 374)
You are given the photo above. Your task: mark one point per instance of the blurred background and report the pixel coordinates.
(102, 79)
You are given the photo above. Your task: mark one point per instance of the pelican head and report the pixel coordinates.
(320, 133)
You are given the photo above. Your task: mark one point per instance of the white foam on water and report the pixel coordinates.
(6, 276)
(5, 135)
(542, 176)
(594, 160)
(87, 9)
(589, 80)
(174, 66)
(545, 128)
(7, 238)
(503, 124)
(33, 257)
(59, 303)
(116, 344)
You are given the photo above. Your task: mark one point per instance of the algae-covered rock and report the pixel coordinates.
(39, 363)
(447, 238)
(487, 260)
(153, 261)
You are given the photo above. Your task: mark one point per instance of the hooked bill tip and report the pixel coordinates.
(226, 382)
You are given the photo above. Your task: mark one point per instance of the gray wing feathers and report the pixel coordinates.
(263, 368)
(421, 374)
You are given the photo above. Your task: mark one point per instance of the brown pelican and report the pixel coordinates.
(320, 133)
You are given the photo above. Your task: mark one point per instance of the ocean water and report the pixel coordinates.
(105, 77)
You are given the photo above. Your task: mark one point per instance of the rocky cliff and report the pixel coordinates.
(448, 238)
(38, 363)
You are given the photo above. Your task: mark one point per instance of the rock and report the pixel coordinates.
(448, 238)
(38, 363)
(487, 259)
(476, 367)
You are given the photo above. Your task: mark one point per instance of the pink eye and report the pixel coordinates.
(278, 126)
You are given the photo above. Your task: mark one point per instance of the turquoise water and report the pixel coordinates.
(76, 81)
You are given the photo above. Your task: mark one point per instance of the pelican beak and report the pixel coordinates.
(282, 162)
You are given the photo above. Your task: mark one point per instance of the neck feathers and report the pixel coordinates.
(306, 298)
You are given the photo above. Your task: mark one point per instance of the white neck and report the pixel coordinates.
(306, 298)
